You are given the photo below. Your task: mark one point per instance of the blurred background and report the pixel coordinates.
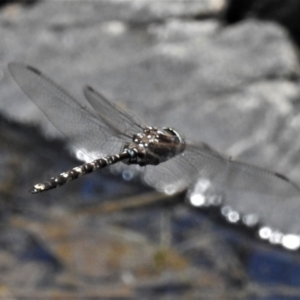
(225, 72)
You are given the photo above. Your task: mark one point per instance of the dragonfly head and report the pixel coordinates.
(154, 146)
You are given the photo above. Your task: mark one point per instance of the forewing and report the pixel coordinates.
(179, 172)
(112, 115)
(235, 179)
(80, 124)
(272, 197)
(247, 189)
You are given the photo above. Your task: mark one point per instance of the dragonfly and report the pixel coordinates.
(102, 129)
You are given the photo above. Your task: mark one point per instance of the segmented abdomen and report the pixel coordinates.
(75, 173)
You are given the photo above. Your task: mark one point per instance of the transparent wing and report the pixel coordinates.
(181, 171)
(236, 179)
(249, 190)
(113, 115)
(81, 125)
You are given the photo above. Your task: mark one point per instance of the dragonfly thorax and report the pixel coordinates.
(154, 146)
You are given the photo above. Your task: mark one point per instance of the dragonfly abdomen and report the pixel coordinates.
(77, 172)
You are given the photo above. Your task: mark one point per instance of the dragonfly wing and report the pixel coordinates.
(112, 115)
(200, 161)
(80, 124)
(247, 189)
(180, 172)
